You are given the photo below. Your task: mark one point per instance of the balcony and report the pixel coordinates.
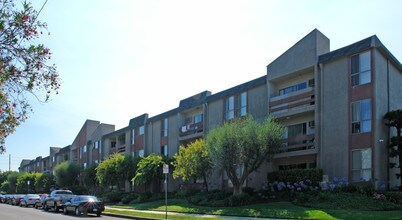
(121, 149)
(191, 131)
(297, 146)
(292, 103)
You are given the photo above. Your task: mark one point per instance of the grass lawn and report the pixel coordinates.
(268, 210)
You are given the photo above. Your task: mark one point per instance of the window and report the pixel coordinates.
(229, 108)
(360, 69)
(361, 165)
(141, 130)
(164, 150)
(198, 118)
(80, 152)
(85, 148)
(112, 144)
(296, 130)
(293, 88)
(132, 136)
(164, 127)
(96, 144)
(85, 165)
(243, 104)
(96, 161)
(361, 116)
(100, 147)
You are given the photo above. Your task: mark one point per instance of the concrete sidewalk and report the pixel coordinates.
(169, 214)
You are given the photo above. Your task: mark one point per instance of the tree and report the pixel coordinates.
(23, 65)
(66, 174)
(109, 172)
(192, 162)
(44, 182)
(89, 178)
(394, 119)
(12, 181)
(129, 166)
(240, 146)
(26, 182)
(149, 170)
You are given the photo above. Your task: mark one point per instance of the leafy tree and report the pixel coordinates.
(109, 172)
(22, 185)
(149, 170)
(24, 67)
(44, 182)
(394, 119)
(129, 166)
(242, 145)
(66, 174)
(5, 186)
(12, 181)
(192, 162)
(89, 176)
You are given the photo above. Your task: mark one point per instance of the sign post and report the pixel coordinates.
(165, 171)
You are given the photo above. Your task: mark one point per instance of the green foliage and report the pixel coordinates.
(5, 186)
(43, 182)
(149, 169)
(296, 175)
(12, 181)
(24, 65)
(239, 200)
(66, 174)
(129, 198)
(22, 182)
(113, 196)
(116, 169)
(89, 178)
(192, 162)
(242, 145)
(394, 120)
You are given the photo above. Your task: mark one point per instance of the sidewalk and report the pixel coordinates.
(177, 214)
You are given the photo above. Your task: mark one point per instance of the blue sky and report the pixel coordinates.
(122, 58)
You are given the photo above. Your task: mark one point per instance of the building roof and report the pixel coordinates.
(242, 87)
(138, 121)
(360, 46)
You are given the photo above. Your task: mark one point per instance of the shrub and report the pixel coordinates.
(248, 190)
(113, 197)
(239, 200)
(128, 198)
(296, 175)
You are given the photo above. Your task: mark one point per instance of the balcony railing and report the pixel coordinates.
(191, 129)
(298, 143)
(121, 149)
(284, 103)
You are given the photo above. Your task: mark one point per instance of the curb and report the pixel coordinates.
(127, 216)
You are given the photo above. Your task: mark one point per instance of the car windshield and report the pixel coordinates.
(64, 192)
(33, 196)
(89, 198)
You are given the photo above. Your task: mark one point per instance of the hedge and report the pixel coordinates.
(296, 175)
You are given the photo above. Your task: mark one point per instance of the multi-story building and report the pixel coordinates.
(330, 102)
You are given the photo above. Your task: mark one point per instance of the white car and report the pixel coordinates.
(29, 199)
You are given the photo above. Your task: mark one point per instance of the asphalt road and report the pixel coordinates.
(9, 212)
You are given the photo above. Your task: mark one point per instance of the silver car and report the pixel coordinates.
(29, 199)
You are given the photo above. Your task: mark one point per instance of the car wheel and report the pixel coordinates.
(55, 208)
(85, 212)
(77, 211)
(65, 210)
(98, 214)
(45, 207)
(20, 205)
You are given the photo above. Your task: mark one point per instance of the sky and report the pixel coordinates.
(119, 59)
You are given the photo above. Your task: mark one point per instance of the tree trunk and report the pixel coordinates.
(237, 189)
(205, 182)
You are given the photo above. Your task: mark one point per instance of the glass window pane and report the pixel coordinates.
(366, 175)
(365, 77)
(355, 112)
(366, 158)
(356, 175)
(364, 61)
(365, 106)
(366, 126)
(354, 64)
(356, 160)
(355, 79)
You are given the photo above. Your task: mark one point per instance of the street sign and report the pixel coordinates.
(165, 168)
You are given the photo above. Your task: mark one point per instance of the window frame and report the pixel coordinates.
(358, 119)
(356, 75)
(361, 167)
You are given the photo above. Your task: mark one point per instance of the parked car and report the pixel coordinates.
(16, 199)
(39, 204)
(56, 199)
(29, 199)
(84, 204)
(3, 198)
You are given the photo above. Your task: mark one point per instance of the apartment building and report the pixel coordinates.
(330, 102)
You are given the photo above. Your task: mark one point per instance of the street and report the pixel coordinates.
(9, 212)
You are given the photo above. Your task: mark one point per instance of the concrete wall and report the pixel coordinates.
(333, 121)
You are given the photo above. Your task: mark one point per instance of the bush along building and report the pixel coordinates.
(331, 104)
